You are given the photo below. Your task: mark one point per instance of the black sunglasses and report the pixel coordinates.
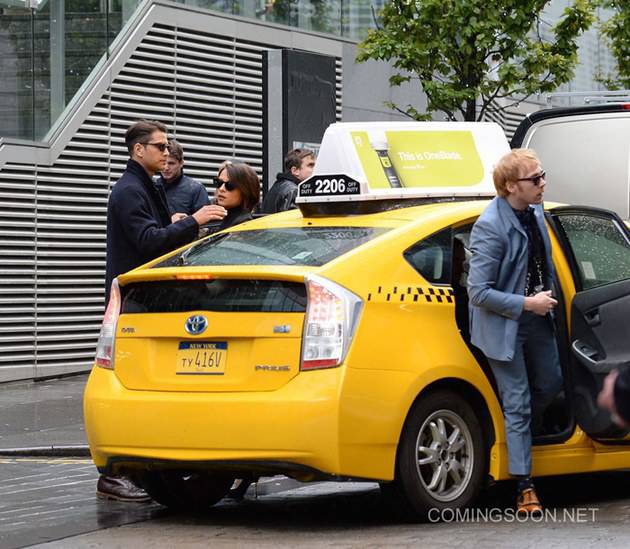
(229, 186)
(161, 146)
(535, 179)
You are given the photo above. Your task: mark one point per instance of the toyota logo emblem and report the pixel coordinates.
(196, 324)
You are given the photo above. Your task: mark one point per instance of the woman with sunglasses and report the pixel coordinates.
(238, 191)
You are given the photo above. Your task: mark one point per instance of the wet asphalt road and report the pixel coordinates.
(46, 500)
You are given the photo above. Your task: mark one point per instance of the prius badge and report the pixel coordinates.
(196, 324)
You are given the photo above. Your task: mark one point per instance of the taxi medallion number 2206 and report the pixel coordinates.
(330, 186)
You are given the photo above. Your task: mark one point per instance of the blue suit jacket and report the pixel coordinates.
(497, 277)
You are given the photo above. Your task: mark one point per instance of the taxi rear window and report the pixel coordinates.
(234, 296)
(309, 246)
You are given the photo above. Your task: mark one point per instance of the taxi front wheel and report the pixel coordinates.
(442, 458)
(186, 490)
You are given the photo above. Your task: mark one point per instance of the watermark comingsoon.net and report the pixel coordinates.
(494, 514)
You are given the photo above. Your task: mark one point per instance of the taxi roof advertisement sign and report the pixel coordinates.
(404, 159)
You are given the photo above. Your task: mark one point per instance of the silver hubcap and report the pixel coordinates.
(444, 455)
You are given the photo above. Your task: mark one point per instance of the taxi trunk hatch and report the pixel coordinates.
(210, 335)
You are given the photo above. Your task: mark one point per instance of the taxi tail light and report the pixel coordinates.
(332, 315)
(107, 336)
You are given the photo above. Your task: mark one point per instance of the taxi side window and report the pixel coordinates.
(600, 248)
(432, 257)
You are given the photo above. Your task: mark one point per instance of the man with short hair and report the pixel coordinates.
(298, 165)
(510, 285)
(139, 229)
(184, 194)
(139, 226)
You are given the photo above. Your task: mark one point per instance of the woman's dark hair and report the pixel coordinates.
(245, 178)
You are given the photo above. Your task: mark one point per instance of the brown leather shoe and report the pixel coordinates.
(120, 489)
(527, 503)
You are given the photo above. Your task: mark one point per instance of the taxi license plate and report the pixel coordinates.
(201, 358)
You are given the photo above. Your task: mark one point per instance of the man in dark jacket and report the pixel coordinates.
(298, 165)
(139, 229)
(184, 194)
(139, 226)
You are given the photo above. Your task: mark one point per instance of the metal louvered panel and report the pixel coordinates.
(219, 102)
(71, 214)
(508, 118)
(17, 271)
(207, 89)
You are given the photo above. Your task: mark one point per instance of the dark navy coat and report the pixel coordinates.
(139, 226)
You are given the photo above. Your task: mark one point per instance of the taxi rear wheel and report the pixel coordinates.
(442, 457)
(186, 490)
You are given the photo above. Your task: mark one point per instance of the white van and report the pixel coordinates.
(585, 152)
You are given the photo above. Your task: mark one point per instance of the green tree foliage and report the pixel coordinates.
(468, 53)
(617, 30)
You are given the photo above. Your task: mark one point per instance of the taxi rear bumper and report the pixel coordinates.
(296, 425)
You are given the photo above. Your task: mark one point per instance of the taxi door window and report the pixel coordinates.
(600, 248)
(432, 256)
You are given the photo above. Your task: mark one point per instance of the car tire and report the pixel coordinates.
(186, 490)
(442, 459)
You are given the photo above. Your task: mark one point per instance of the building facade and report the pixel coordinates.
(77, 73)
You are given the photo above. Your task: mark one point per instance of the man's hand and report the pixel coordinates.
(178, 217)
(541, 303)
(209, 213)
(606, 398)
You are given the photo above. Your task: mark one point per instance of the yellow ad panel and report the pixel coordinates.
(419, 158)
(370, 162)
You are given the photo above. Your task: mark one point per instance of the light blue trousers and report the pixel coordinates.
(527, 385)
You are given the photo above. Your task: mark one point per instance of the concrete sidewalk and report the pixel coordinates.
(43, 417)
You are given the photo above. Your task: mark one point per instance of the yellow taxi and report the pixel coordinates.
(332, 342)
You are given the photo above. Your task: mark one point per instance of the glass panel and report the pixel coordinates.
(47, 53)
(431, 257)
(70, 38)
(233, 296)
(16, 61)
(298, 246)
(601, 251)
(272, 11)
(319, 15)
(42, 68)
(120, 12)
(225, 6)
(358, 16)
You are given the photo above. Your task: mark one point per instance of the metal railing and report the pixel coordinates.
(589, 97)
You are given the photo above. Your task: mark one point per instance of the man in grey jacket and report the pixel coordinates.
(510, 289)
(183, 193)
